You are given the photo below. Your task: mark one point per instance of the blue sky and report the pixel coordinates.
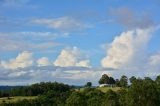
(51, 40)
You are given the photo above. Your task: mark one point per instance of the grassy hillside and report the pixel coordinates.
(16, 98)
(103, 89)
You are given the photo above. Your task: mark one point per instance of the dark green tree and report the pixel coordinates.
(88, 84)
(111, 80)
(122, 97)
(124, 81)
(111, 99)
(117, 82)
(133, 78)
(76, 99)
(94, 97)
(142, 93)
(104, 79)
(158, 80)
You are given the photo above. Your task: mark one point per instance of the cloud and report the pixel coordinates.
(43, 41)
(126, 55)
(12, 45)
(62, 23)
(24, 59)
(23, 35)
(32, 74)
(155, 59)
(14, 2)
(130, 19)
(154, 64)
(44, 61)
(127, 49)
(72, 57)
(26, 70)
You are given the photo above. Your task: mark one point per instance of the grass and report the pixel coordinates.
(16, 98)
(103, 89)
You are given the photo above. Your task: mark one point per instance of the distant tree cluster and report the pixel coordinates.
(35, 89)
(105, 79)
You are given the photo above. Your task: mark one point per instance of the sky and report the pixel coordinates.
(76, 41)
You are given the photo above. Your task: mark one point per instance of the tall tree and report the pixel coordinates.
(117, 82)
(158, 80)
(124, 81)
(132, 79)
(104, 79)
(111, 80)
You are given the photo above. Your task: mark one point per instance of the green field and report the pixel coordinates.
(16, 98)
(104, 89)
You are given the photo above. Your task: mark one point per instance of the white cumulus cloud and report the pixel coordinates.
(72, 57)
(44, 61)
(128, 48)
(24, 59)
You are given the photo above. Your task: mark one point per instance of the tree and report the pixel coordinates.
(104, 79)
(148, 79)
(122, 96)
(111, 80)
(0, 94)
(111, 99)
(124, 81)
(132, 79)
(54, 98)
(158, 79)
(117, 82)
(88, 84)
(142, 93)
(94, 97)
(76, 99)
(158, 83)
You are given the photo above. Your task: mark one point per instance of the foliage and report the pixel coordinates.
(124, 81)
(143, 93)
(88, 84)
(122, 96)
(105, 79)
(132, 79)
(76, 99)
(117, 82)
(111, 99)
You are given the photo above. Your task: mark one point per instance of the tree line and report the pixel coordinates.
(140, 92)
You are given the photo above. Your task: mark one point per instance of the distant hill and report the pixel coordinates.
(9, 87)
